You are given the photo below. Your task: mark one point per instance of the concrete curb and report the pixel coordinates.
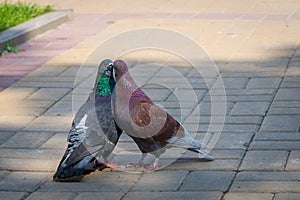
(28, 30)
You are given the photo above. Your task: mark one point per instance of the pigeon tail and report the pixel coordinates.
(75, 172)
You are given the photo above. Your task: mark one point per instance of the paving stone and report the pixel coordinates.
(189, 164)
(287, 196)
(248, 196)
(49, 71)
(50, 123)
(233, 92)
(293, 69)
(224, 127)
(173, 195)
(186, 95)
(220, 119)
(290, 82)
(250, 108)
(57, 141)
(24, 104)
(12, 195)
(205, 108)
(70, 72)
(60, 109)
(235, 83)
(16, 93)
(179, 111)
(285, 104)
(49, 94)
(157, 94)
(33, 165)
(172, 104)
(266, 186)
(288, 94)
(27, 140)
(284, 111)
(14, 123)
(227, 154)
(31, 153)
(289, 85)
(208, 181)
(44, 84)
(267, 176)
(255, 83)
(51, 195)
(4, 136)
(3, 174)
(237, 98)
(275, 74)
(22, 181)
(280, 123)
(46, 79)
(22, 111)
(96, 182)
(161, 181)
(233, 141)
(100, 195)
(275, 145)
(264, 160)
(277, 136)
(293, 163)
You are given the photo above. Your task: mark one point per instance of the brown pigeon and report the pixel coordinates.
(150, 126)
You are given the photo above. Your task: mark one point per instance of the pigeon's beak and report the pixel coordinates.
(109, 70)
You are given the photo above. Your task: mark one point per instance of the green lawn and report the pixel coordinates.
(12, 14)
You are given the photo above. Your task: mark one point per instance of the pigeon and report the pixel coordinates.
(150, 126)
(93, 133)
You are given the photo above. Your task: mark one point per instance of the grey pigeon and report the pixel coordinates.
(94, 133)
(150, 126)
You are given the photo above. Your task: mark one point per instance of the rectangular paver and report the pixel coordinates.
(208, 180)
(12, 195)
(27, 139)
(281, 123)
(293, 163)
(287, 196)
(250, 108)
(174, 195)
(264, 160)
(161, 181)
(51, 195)
(22, 181)
(266, 186)
(275, 145)
(248, 196)
(100, 195)
(96, 182)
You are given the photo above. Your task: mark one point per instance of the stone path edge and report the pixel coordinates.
(29, 29)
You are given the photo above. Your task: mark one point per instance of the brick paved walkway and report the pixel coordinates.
(255, 46)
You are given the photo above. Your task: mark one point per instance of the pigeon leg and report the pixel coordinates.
(140, 163)
(154, 166)
(111, 165)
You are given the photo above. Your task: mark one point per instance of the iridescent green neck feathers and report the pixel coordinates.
(103, 88)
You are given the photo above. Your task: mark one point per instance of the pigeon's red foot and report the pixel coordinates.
(104, 165)
(112, 165)
(153, 167)
(99, 165)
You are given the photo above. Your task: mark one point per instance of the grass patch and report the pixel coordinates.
(12, 14)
